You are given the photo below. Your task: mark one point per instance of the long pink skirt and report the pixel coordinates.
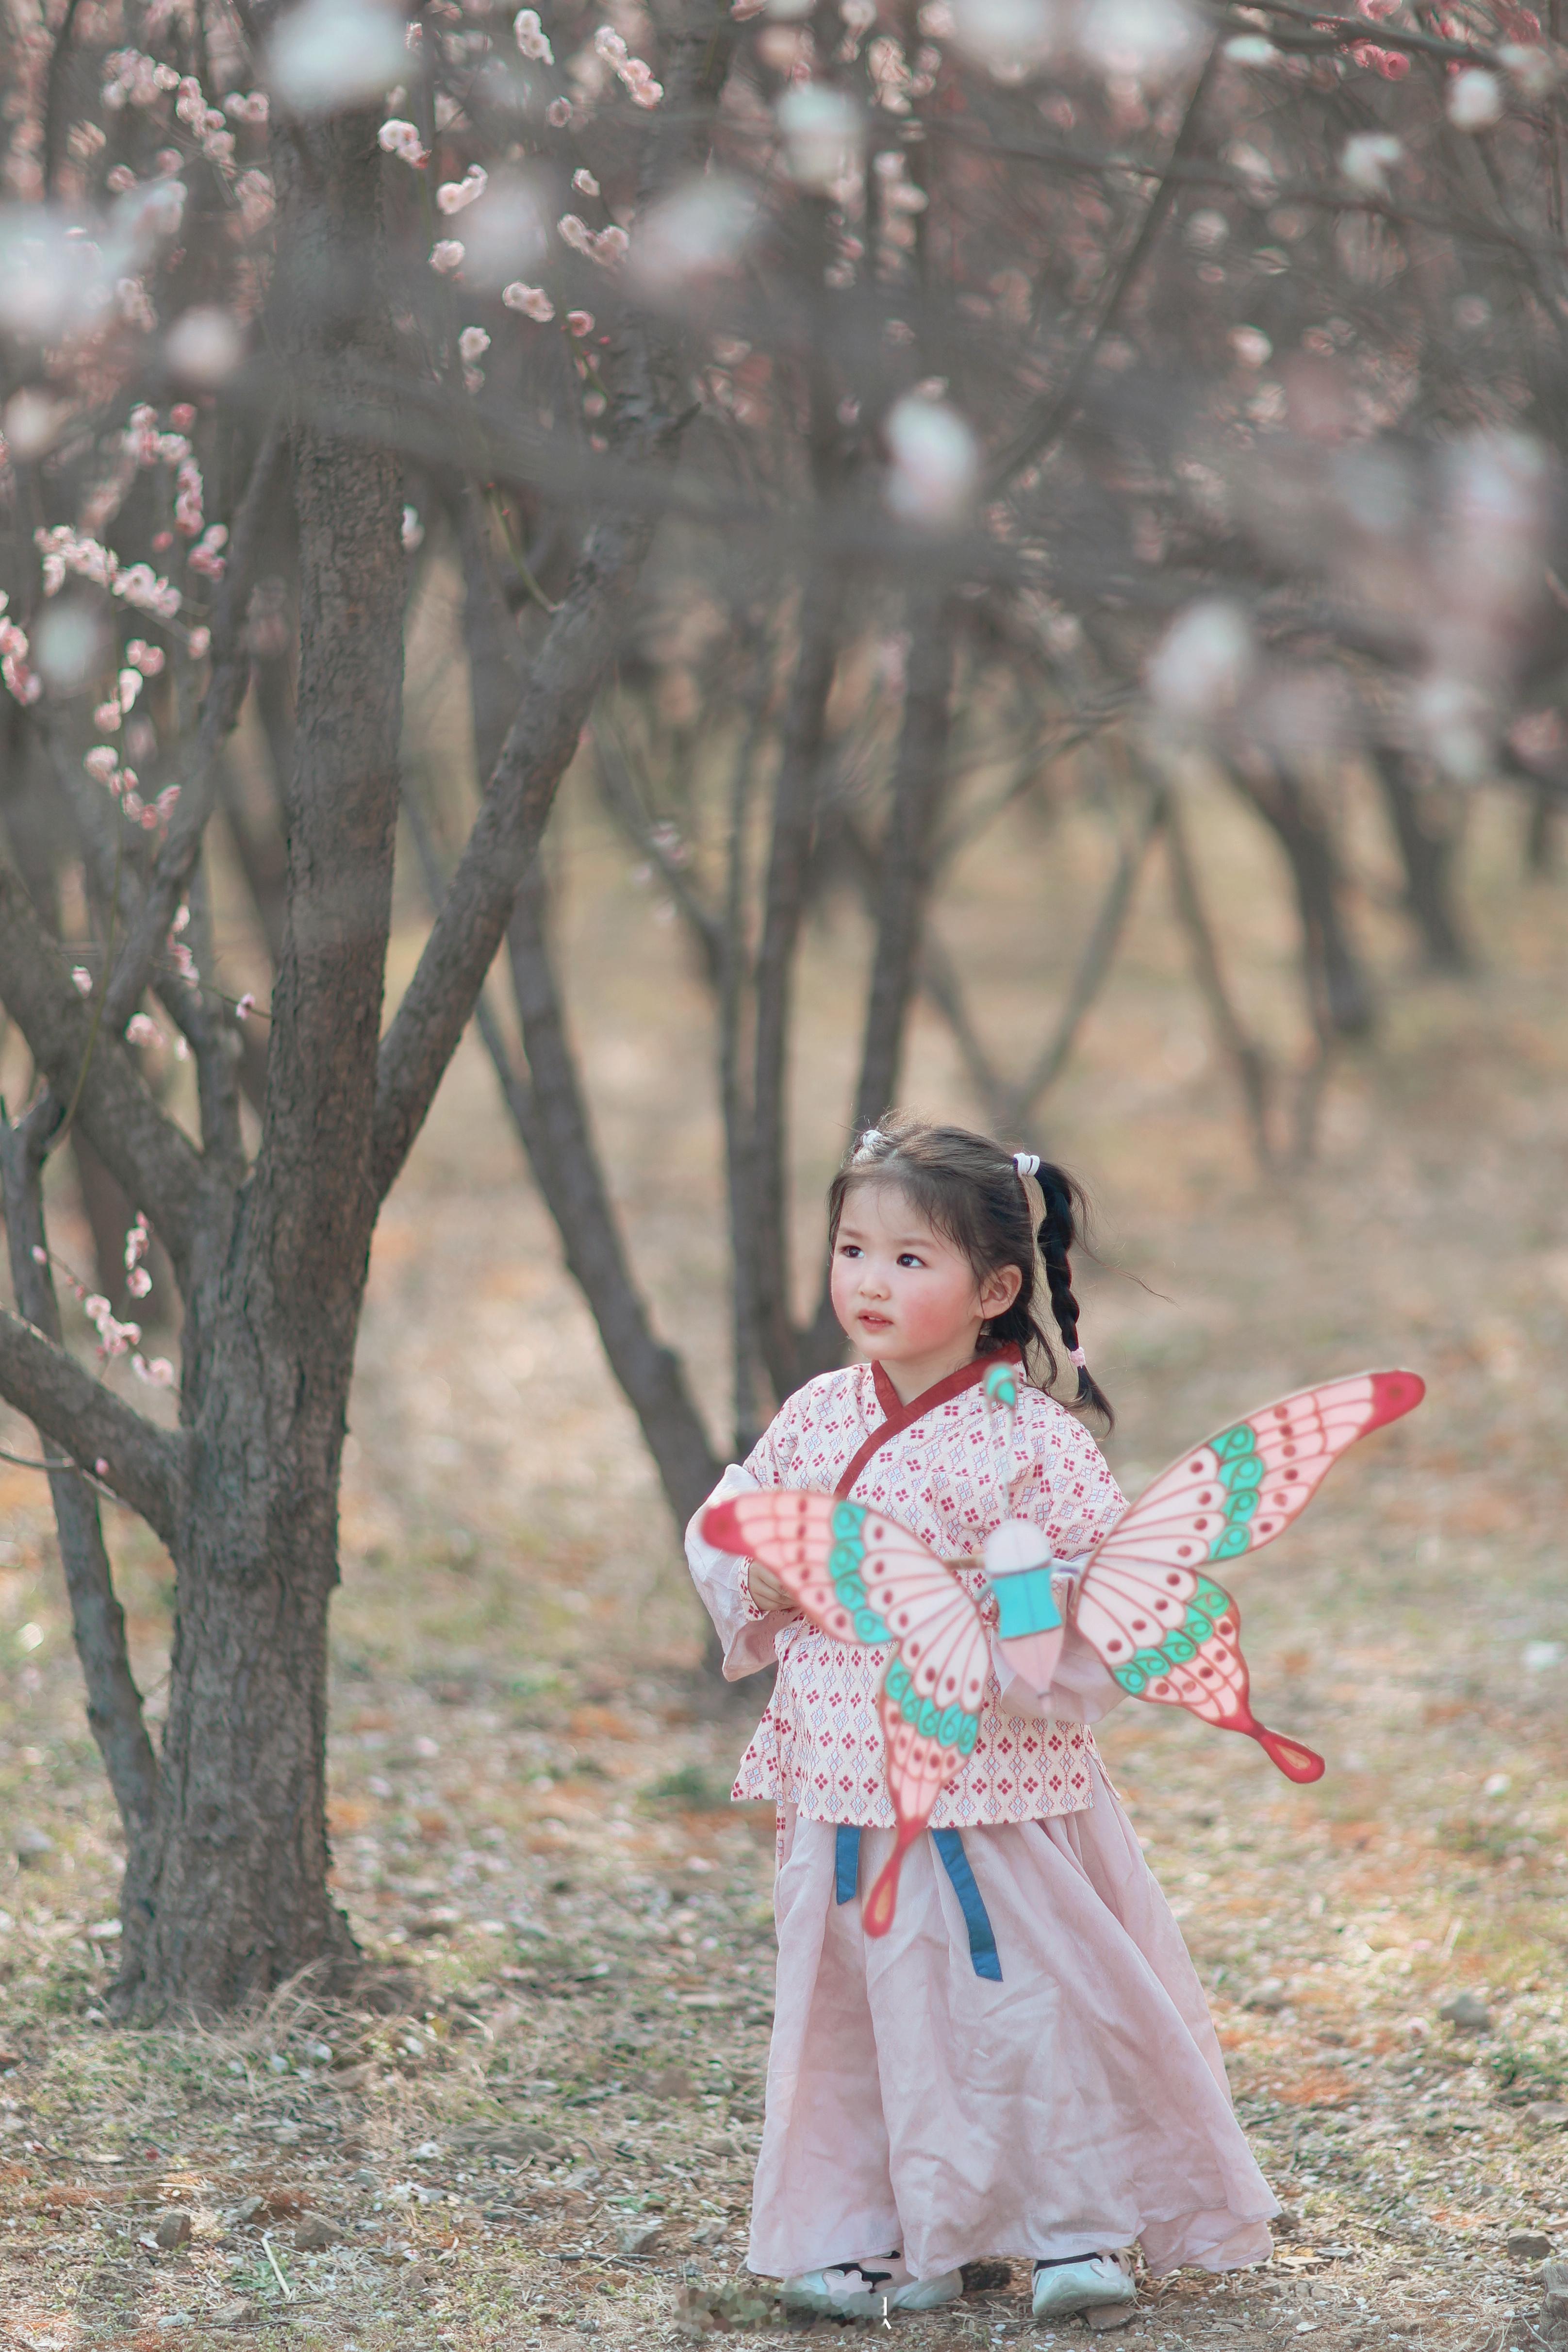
(1079, 2105)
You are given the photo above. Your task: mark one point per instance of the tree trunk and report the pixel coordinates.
(237, 1896)
(1426, 845)
(1339, 991)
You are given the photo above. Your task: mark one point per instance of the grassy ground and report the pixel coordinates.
(549, 2143)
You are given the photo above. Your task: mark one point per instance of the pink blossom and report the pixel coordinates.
(158, 1374)
(413, 530)
(148, 660)
(138, 1282)
(138, 1240)
(456, 195)
(395, 138)
(473, 344)
(199, 639)
(576, 232)
(100, 1468)
(245, 1006)
(101, 762)
(206, 557)
(557, 113)
(531, 301)
(166, 802)
(106, 717)
(533, 41)
(446, 257)
(581, 321)
(81, 980)
(585, 183)
(142, 1030)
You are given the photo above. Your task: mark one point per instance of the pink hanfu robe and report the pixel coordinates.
(914, 2104)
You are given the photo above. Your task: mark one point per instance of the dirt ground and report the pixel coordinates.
(549, 2143)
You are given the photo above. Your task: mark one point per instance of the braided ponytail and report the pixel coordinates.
(1059, 1231)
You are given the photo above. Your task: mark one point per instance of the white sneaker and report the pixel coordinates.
(868, 2289)
(1061, 2288)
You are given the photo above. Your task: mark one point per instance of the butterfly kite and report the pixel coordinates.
(1143, 1597)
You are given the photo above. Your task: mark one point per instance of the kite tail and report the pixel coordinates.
(877, 1910)
(1295, 1761)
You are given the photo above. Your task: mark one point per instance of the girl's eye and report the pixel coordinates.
(849, 1249)
(909, 1258)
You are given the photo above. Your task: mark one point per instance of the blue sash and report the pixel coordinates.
(955, 1862)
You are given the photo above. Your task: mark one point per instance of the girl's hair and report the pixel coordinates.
(968, 1188)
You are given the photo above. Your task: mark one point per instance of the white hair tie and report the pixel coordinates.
(1027, 1162)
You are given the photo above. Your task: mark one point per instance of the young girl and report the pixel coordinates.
(1024, 2065)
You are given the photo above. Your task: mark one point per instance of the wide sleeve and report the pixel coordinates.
(746, 1631)
(1066, 1489)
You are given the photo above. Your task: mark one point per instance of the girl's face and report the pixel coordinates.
(904, 1293)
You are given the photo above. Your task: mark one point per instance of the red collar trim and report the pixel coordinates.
(898, 1416)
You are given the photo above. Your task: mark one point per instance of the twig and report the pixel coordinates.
(272, 2258)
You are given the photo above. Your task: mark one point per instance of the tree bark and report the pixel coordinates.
(237, 1877)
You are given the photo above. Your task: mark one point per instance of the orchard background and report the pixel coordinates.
(589, 601)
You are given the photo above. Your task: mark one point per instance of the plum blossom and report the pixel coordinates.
(581, 321)
(936, 461)
(585, 183)
(1368, 159)
(456, 195)
(159, 1374)
(1475, 100)
(198, 642)
(446, 257)
(141, 1030)
(531, 301)
(206, 557)
(413, 530)
(81, 980)
(473, 343)
(148, 660)
(531, 37)
(557, 113)
(101, 762)
(635, 77)
(24, 682)
(395, 138)
(1204, 660)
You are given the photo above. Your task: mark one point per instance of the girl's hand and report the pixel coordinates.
(765, 1588)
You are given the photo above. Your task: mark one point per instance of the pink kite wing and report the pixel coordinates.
(865, 1578)
(1167, 1631)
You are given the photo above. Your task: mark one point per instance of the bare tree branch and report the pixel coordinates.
(114, 1706)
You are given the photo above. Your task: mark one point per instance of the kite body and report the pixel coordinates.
(1143, 1600)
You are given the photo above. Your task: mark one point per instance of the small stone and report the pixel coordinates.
(1467, 2013)
(1529, 2245)
(31, 1845)
(8, 2058)
(249, 2209)
(1107, 2315)
(1546, 2115)
(313, 2233)
(1270, 1996)
(639, 2238)
(173, 2229)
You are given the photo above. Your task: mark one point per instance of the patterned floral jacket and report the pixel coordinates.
(949, 1469)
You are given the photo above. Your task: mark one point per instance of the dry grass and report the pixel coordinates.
(524, 1767)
